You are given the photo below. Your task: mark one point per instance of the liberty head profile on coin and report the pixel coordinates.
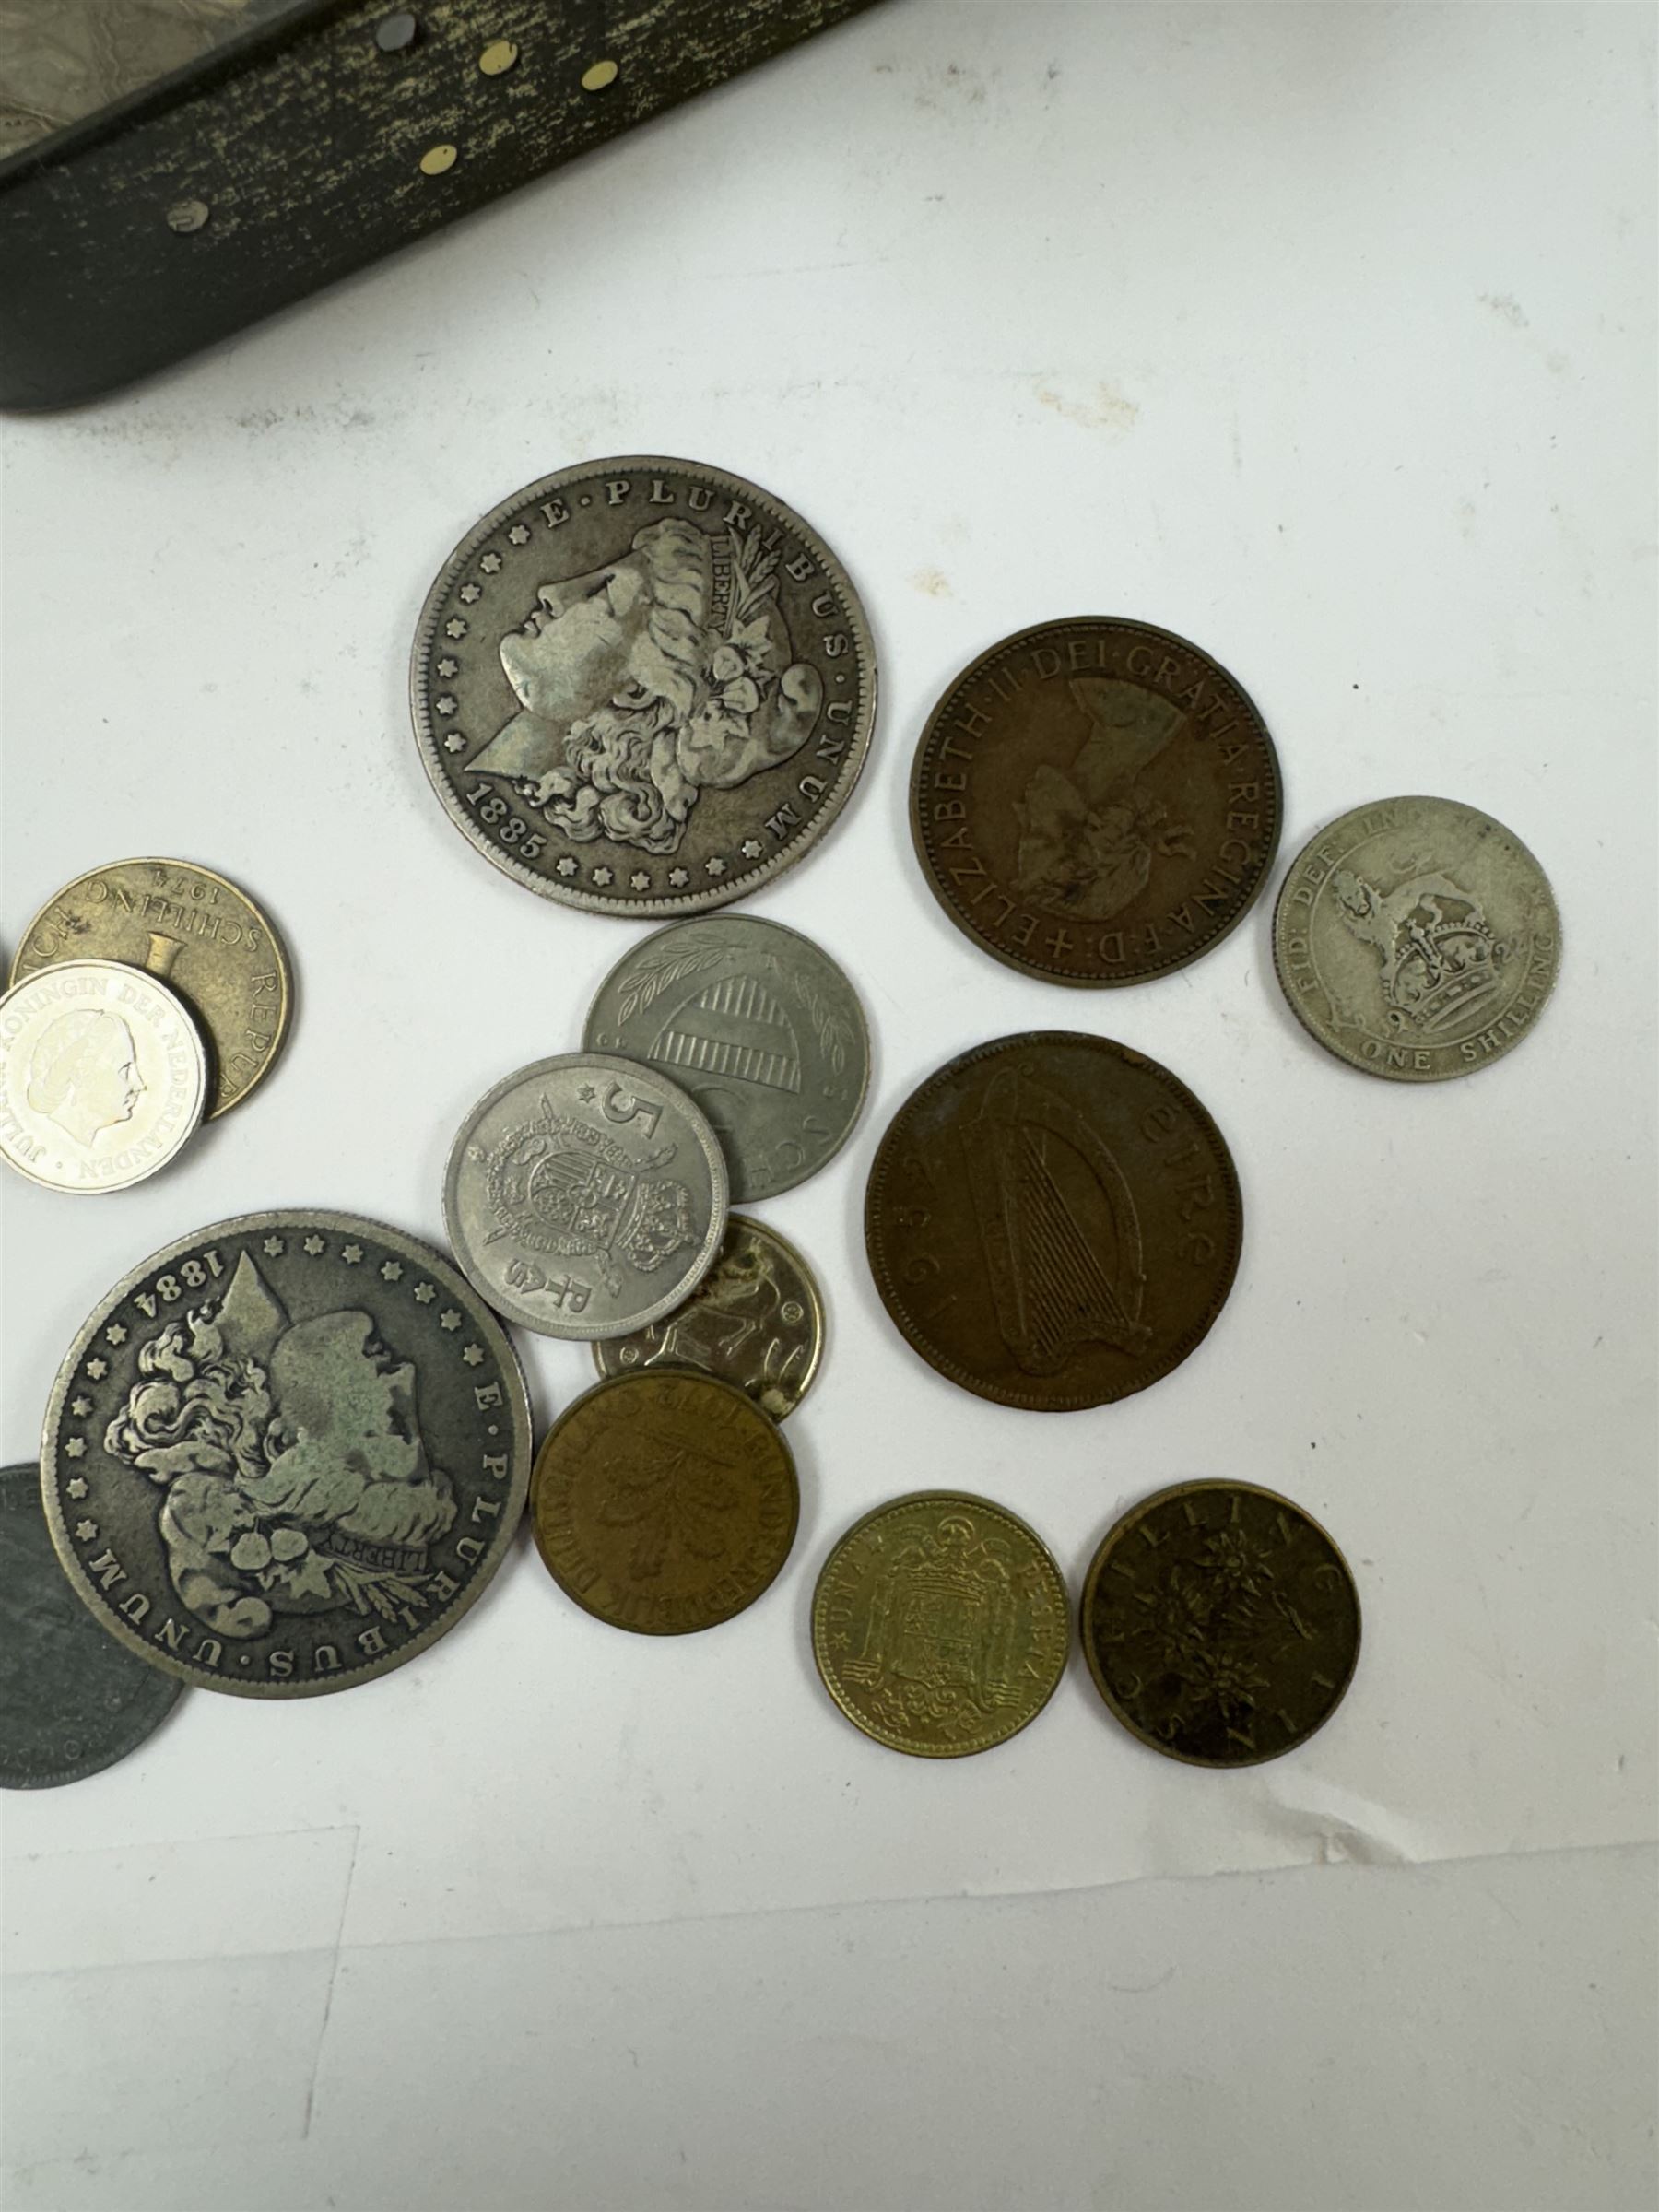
(642, 687)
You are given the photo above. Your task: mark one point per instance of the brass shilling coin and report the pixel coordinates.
(664, 1502)
(642, 687)
(756, 1320)
(1053, 1221)
(286, 1453)
(1221, 1623)
(201, 935)
(1416, 939)
(940, 1625)
(1095, 802)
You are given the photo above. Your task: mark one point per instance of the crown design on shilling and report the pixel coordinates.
(1441, 958)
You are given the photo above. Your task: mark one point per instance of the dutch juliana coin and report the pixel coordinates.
(1221, 1623)
(286, 1453)
(71, 1700)
(586, 1196)
(204, 938)
(642, 687)
(758, 1025)
(756, 1320)
(1416, 938)
(1095, 802)
(939, 1624)
(1052, 1221)
(665, 1502)
(102, 1075)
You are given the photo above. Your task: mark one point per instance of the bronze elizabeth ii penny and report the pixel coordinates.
(1221, 1623)
(1095, 802)
(664, 1502)
(1053, 1221)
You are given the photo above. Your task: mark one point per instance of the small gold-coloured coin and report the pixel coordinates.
(663, 1502)
(1221, 1623)
(939, 1624)
(200, 935)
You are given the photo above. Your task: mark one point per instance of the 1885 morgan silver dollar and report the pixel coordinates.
(286, 1453)
(642, 687)
(760, 1026)
(585, 1197)
(71, 1700)
(103, 1076)
(1416, 938)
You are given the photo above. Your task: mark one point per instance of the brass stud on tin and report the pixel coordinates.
(598, 74)
(185, 216)
(392, 33)
(437, 159)
(497, 58)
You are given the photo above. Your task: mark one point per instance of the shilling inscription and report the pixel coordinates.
(642, 687)
(102, 1076)
(586, 1196)
(760, 1026)
(286, 1453)
(1416, 939)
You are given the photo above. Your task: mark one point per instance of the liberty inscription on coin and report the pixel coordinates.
(103, 1076)
(1416, 939)
(760, 1026)
(939, 1624)
(286, 1454)
(1221, 1623)
(1095, 802)
(1053, 1221)
(642, 687)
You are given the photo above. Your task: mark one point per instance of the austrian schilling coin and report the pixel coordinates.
(201, 935)
(1053, 1221)
(1221, 1623)
(286, 1453)
(665, 1502)
(72, 1701)
(756, 1320)
(103, 1076)
(760, 1026)
(586, 1196)
(642, 687)
(940, 1625)
(1416, 939)
(1095, 802)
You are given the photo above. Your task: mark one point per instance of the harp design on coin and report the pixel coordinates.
(941, 1629)
(1057, 1224)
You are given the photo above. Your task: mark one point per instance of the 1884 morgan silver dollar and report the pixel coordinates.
(102, 1076)
(286, 1453)
(760, 1026)
(71, 1700)
(1416, 938)
(642, 687)
(585, 1197)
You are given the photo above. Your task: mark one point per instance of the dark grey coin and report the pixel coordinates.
(642, 687)
(286, 1453)
(71, 1700)
(760, 1026)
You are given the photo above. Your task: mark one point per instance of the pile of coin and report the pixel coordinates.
(287, 1452)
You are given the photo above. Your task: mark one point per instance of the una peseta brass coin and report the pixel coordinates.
(1095, 802)
(665, 1502)
(756, 1320)
(200, 935)
(286, 1453)
(72, 1701)
(939, 1624)
(642, 687)
(1416, 939)
(1221, 1623)
(1052, 1221)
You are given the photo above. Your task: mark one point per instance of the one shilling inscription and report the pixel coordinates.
(1095, 802)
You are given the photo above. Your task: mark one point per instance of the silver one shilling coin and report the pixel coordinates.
(760, 1026)
(642, 687)
(586, 1196)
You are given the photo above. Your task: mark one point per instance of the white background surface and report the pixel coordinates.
(1322, 335)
